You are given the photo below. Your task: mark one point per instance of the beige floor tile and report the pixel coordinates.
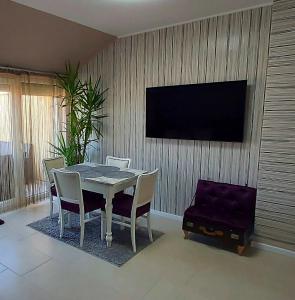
(19, 257)
(2, 268)
(170, 268)
(53, 248)
(51, 272)
(73, 281)
(15, 232)
(134, 284)
(230, 280)
(13, 287)
(164, 289)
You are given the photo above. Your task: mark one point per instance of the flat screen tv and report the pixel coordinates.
(207, 111)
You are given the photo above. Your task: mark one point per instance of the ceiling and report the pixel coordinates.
(125, 17)
(35, 40)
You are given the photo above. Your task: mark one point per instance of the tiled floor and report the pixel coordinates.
(36, 267)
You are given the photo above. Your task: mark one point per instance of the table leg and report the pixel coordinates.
(68, 220)
(109, 212)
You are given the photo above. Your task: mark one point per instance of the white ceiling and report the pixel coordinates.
(124, 17)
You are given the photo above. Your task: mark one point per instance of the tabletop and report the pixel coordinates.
(104, 174)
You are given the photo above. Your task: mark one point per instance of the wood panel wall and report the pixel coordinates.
(231, 47)
(276, 183)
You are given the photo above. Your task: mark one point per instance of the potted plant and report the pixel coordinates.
(83, 102)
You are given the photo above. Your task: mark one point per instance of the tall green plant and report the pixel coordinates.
(90, 111)
(84, 103)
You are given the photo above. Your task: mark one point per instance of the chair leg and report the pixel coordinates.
(133, 227)
(122, 227)
(148, 220)
(102, 225)
(62, 223)
(51, 205)
(69, 219)
(82, 230)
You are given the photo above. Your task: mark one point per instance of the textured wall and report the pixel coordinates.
(276, 184)
(231, 47)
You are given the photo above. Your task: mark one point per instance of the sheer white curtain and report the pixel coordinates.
(30, 117)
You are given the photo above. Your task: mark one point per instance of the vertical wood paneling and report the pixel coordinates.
(213, 150)
(117, 97)
(176, 74)
(237, 72)
(108, 82)
(122, 99)
(158, 145)
(203, 64)
(246, 34)
(133, 96)
(165, 44)
(186, 148)
(275, 214)
(217, 49)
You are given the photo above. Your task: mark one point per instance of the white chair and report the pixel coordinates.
(119, 162)
(49, 164)
(73, 200)
(133, 207)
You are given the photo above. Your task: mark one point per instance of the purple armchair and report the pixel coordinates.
(224, 211)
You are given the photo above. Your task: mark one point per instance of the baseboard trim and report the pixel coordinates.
(254, 244)
(166, 215)
(272, 248)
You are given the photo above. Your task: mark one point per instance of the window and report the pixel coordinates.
(30, 117)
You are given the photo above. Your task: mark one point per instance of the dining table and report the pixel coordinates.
(106, 180)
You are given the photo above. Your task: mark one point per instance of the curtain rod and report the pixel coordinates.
(22, 71)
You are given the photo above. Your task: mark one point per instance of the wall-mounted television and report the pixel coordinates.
(207, 111)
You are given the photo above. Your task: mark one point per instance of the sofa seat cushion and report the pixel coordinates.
(122, 205)
(225, 199)
(216, 218)
(92, 201)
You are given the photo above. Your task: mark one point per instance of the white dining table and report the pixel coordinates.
(108, 187)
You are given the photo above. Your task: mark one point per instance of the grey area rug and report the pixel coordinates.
(118, 254)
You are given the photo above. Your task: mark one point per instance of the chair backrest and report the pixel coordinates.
(52, 163)
(119, 162)
(68, 186)
(145, 188)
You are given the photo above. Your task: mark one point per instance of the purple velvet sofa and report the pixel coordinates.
(224, 211)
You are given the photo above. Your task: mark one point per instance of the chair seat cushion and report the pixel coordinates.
(92, 201)
(215, 218)
(122, 205)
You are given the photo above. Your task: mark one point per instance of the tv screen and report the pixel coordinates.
(207, 111)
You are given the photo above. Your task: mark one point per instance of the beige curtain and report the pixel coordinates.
(30, 118)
